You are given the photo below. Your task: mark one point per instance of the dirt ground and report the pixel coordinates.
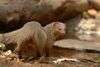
(83, 59)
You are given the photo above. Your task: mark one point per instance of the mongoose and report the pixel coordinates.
(38, 40)
(33, 40)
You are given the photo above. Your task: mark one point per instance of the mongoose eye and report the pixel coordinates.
(59, 29)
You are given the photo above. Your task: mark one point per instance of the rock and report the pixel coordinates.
(13, 14)
(71, 27)
(83, 29)
(95, 4)
(2, 46)
(77, 44)
(98, 15)
(88, 30)
(92, 12)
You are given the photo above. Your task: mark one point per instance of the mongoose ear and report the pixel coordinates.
(55, 23)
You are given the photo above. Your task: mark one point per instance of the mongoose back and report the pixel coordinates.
(31, 39)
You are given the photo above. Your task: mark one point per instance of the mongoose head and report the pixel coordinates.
(59, 29)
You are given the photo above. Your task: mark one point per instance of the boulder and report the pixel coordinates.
(95, 4)
(15, 13)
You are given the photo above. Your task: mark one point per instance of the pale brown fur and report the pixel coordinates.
(9, 39)
(33, 40)
(30, 39)
(56, 29)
